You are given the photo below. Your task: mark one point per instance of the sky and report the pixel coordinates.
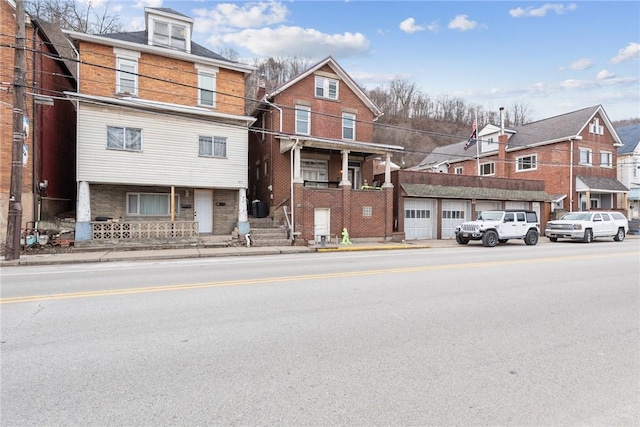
(552, 57)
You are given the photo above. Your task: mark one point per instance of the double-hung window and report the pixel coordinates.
(314, 172)
(170, 35)
(207, 85)
(212, 146)
(585, 155)
(488, 168)
(326, 88)
(606, 159)
(526, 163)
(123, 138)
(348, 126)
(458, 171)
(303, 120)
(127, 76)
(151, 204)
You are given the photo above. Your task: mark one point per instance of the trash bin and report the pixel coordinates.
(263, 209)
(254, 208)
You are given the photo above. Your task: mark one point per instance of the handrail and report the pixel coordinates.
(288, 224)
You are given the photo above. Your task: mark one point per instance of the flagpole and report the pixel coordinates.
(477, 145)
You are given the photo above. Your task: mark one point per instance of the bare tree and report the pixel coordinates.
(84, 17)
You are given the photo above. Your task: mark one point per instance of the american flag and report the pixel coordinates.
(474, 135)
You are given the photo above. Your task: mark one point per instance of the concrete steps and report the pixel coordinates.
(265, 233)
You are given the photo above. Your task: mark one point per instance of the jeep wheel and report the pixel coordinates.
(588, 236)
(531, 238)
(503, 240)
(461, 240)
(490, 239)
(553, 239)
(619, 237)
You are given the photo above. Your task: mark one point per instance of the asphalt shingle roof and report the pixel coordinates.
(427, 190)
(630, 136)
(601, 183)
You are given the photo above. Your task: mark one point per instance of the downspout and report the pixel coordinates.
(37, 210)
(293, 224)
(271, 139)
(571, 176)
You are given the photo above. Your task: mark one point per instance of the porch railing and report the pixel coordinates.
(144, 230)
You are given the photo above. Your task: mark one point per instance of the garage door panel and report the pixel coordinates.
(419, 218)
(454, 213)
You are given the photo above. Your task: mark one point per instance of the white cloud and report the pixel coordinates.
(226, 16)
(632, 51)
(605, 74)
(433, 27)
(409, 26)
(581, 64)
(462, 23)
(284, 41)
(541, 11)
(148, 3)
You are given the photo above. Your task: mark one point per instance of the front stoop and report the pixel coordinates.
(265, 233)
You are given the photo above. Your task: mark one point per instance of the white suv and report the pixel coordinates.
(493, 227)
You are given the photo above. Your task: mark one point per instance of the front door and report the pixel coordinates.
(203, 210)
(321, 217)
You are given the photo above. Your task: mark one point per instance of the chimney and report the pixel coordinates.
(262, 87)
(501, 163)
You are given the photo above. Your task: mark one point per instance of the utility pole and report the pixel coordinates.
(14, 219)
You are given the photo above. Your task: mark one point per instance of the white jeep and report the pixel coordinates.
(586, 226)
(493, 227)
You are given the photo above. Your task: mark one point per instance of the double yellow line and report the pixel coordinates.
(166, 288)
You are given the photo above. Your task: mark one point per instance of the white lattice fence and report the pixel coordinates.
(130, 231)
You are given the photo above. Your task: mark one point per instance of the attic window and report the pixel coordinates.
(596, 127)
(326, 88)
(169, 34)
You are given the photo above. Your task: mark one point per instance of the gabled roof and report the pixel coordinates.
(558, 128)
(59, 44)
(630, 136)
(340, 72)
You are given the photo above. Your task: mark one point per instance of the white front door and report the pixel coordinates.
(203, 210)
(321, 223)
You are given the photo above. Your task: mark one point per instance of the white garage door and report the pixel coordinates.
(454, 213)
(486, 205)
(516, 205)
(419, 219)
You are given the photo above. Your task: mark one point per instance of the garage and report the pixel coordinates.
(419, 219)
(487, 205)
(454, 213)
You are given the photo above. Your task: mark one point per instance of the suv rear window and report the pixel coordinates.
(532, 217)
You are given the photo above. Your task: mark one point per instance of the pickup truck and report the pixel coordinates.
(586, 226)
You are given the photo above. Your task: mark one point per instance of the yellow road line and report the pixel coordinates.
(127, 291)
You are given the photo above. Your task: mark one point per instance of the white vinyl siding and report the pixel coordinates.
(170, 155)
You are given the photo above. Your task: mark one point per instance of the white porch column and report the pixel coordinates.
(345, 169)
(297, 175)
(387, 172)
(83, 213)
(243, 220)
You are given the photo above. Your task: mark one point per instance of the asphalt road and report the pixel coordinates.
(512, 335)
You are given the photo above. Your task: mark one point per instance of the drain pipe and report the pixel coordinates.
(293, 223)
(571, 139)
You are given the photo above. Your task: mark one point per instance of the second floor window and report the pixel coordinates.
(206, 89)
(527, 163)
(170, 35)
(585, 156)
(488, 168)
(348, 126)
(303, 120)
(212, 146)
(458, 171)
(326, 88)
(127, 76)
(123, 138)
(606, 159)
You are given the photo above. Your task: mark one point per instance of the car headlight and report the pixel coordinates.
(577, 226)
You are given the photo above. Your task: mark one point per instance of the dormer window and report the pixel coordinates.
(169, 34)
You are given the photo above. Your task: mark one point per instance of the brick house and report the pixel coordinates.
(162, 135)
(629, 167)
(311, 158)
(574, 154)
(48, 156)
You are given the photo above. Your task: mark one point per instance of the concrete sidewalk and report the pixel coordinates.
(77, 256)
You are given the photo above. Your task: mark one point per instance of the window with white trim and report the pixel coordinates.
(526, 163)
(314, 172)
(488, 168)
(126, 76)
(326, 88)
(169, 34)
(606, 159)
(151, 204)
(123, 138)
(595, 127)
(303, 120)
(458, 170)
(212, 146)
(367, 211)
(584, 156)
(206, 89)
(348, 126)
